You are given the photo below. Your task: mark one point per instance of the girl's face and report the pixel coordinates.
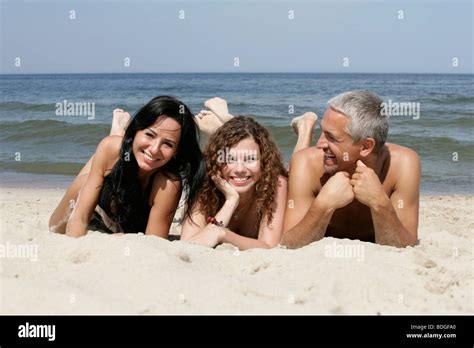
(154, 146)
(242, 165)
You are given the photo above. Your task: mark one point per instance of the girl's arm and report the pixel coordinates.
(200, 231)
(206, 233)
(269, 234)
(210, 235)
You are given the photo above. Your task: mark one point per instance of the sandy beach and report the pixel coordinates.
(47, 273)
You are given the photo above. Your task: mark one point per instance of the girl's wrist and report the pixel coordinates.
(222, 234)
(233, 199)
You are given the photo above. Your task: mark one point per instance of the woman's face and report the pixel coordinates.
(242, 165)
(154, 146)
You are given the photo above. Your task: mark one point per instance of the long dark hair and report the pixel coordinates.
(130, 203)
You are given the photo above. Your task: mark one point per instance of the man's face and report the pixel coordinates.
(340, 153)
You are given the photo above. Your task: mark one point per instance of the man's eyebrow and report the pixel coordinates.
(331, 134)
(326, 131)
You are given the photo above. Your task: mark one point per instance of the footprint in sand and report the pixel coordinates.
(257, 268)
(423, 261)
(183, 256)
(81, 257)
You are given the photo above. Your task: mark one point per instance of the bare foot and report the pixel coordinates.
(120, 121)
(219, 107)
(208, 122)
(304, 123)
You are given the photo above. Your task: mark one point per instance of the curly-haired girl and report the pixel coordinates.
(243, 198)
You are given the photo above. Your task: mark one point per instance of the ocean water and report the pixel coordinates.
(35, 139)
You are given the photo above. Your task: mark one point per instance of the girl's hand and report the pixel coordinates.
(210, 236)
(226, 188)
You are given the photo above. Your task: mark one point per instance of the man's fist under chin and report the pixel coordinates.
(337, 191)
(366, 185)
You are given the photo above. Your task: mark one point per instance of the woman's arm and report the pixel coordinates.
(88, 197)
(165, 196)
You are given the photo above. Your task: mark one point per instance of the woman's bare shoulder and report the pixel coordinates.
(108, 151)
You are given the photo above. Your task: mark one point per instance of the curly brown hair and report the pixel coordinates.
(271, 165)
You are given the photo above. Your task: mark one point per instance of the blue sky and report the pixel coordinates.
(370, 34)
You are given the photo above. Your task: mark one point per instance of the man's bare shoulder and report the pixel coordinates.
(401, 155)
(405, 167)
(310, 157)
(307, 164)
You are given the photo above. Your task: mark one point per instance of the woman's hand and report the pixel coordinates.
(223, 185)
(210, 236)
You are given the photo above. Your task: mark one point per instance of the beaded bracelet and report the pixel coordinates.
(213, 220)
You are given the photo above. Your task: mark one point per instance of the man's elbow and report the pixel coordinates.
(288, 241)
(411, 241)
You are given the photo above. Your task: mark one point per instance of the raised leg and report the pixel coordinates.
(208, 122)
(219, 107)
(120, 120)
(303, 126)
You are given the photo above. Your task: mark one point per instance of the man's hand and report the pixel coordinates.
(336, 192)
(367, 187)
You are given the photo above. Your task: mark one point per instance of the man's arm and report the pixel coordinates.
(395, 218)
(307, 216)
(312, 226)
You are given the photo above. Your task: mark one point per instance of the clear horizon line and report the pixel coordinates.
(242, 72)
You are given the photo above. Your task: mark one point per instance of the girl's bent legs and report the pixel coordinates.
(208, 122)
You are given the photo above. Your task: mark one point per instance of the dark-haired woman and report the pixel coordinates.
(133, 182)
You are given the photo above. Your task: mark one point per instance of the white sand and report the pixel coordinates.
(134, 274)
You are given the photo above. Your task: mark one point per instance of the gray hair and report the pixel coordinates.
(364, 110)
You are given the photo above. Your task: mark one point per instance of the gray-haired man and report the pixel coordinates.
(353, 184)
